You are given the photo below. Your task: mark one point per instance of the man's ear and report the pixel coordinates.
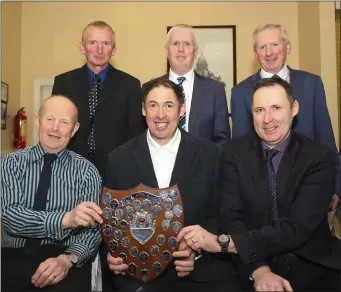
(36, 118)
(81, 47)
(75, 129)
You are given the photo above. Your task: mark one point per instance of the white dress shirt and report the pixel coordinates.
(284, 74)
(163, 157)
(188, 88)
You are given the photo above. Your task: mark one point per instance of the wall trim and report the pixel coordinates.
(40, 86)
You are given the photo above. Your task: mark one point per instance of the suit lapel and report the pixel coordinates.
(259, 175)
(184, 157)
(197, 102)
(110, 86)
(144, 161)
(83, 87)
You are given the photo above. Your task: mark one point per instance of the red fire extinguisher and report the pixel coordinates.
(20, 129)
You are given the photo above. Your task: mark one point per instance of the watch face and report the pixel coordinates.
(223, 238)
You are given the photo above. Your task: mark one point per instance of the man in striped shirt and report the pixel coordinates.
(49, 209)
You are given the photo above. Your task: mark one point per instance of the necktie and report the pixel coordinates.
(273, 215)
(39, 204)
(93, 99)
(182, 122)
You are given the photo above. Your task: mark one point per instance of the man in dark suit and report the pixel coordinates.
(108, 102)
(206, 112)
(271, 47)
(115, 117)
(161, 157)
(276, 186)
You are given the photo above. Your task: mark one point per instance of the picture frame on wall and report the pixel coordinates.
(4, 92)
(216, 57)
(3, 115)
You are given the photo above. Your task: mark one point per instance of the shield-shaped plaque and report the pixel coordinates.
(140, 225)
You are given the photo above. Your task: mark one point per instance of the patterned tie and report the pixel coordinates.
(93, 99)
(32, 244)
(182, 122)
(273, 215)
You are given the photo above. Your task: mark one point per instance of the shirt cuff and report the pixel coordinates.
(53, 225)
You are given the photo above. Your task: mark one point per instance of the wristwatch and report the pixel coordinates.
(72, 258)
(224, 241)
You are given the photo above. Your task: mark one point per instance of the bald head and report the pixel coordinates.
(57, 123)
(60, 101)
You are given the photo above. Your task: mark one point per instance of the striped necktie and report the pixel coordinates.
(182, 122)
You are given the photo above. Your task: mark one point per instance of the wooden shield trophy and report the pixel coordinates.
(140, 225)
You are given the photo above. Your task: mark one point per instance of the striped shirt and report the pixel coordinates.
(74, 180)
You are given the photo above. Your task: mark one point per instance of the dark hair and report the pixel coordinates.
(276, 80)
(178, 90)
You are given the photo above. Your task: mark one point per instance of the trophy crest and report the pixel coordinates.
(140, 225)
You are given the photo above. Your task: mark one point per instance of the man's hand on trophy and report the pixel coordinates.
(185, 264)
(199, 238)
(116, 265)
(85, 214)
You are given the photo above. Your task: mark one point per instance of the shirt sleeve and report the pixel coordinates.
(87, 240)
(18, 220)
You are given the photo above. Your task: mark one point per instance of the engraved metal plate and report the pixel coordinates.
(117, 234)
(165, 224)
(123, 256)
(156, 210)
(172, 242)
(174, 194)
(177, 210)
(161, 239)
(144, 275)
(166, 256)
(124, 225)
(113, 245)
(146, 204)
(113, 221)
(169, 215)
(154, 250)
(176, 226)
(119, 214)
(107, 213)
(132, 268)
(125, 241)
(134, 251)
(168, 203)
(144, 257)
(129, 212)
(140, 225)
(156, 268)
(107, 230)
(106, 198)
(114, 204)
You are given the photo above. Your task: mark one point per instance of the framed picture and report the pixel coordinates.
(3, 115)
(4, 92)
(216, 57)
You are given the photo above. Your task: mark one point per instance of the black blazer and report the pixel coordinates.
(196, 171)
(305, 185)
(118, 115)
(209, 112)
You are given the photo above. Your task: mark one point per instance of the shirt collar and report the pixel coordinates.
(281, 147)
(38, 153)
(189, 76)
(284, 73)
(171, 146)
(102, 75)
